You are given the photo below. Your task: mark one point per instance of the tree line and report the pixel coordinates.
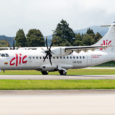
(63, 35)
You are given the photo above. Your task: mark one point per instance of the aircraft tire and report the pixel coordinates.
(44, 72)
(62, 72)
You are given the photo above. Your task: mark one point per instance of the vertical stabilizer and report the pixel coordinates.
(109, 38)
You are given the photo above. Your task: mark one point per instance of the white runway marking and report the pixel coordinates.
(56, 77)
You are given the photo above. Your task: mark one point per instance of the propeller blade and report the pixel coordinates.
(51, 45)
(45, 57)
(48, 52)
(46, 43)
(50, 59)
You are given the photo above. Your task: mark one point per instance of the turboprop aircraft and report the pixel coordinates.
(60, 59)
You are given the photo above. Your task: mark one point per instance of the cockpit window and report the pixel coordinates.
(4, 55)
(7, 55)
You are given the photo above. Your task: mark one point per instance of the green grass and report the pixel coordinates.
(69, 72)
(55, 84)
(58, 84)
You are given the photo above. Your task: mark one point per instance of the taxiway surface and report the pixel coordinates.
(56, 77)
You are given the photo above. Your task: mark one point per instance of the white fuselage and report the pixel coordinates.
(33, 59)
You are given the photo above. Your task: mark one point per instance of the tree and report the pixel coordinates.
(57, 41)
(35, 38)
(97, 37)
(87, 40)
(90, 32)
(20, 38)
(78, 40)
(64, 33)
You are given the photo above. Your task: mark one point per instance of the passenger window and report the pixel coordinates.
(60, 57)
(36, 57)
(63, 57)
(29, 57)
(83, 57)
(73, 57)
(3, 55)
(7, 55)
(80, 57)
(67, 57)
(70, 57)
(77, 57)
(57, 57)
(40, 57)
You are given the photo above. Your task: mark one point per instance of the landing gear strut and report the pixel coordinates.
(3, 70)
(62, 72)
(44, 72)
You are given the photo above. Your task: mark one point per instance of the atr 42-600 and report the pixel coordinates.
(60, 59)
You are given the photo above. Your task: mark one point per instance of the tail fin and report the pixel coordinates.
(109, 38)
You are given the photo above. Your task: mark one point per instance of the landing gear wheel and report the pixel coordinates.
(44, 72)
(62, 72)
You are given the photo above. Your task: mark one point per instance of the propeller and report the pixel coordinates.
(48, 52)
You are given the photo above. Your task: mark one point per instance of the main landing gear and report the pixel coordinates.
(62, 72)
(44, 72)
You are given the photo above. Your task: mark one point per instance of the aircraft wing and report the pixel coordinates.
(83, 48)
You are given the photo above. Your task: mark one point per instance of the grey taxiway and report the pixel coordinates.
(56, 77)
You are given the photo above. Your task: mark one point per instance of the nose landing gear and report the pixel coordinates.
(3, 70)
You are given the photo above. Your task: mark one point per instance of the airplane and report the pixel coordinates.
(49, 59)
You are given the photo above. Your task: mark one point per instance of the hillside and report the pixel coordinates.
(101, 30)
(8, 39)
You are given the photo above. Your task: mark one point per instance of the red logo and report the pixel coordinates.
(18, 59)
(105, 43)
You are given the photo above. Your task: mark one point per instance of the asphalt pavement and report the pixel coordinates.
(56, 77)
(74, 102)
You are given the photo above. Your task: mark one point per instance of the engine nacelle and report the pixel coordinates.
(48, 68)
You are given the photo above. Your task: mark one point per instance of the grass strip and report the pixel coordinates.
(69, 72)
(55, 84)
